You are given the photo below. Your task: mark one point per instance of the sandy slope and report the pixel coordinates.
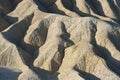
(60, 40)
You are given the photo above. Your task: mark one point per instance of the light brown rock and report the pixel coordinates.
(60, 40)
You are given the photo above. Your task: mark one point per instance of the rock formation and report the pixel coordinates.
(60, 40)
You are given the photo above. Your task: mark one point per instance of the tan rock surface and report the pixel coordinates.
(60, 40)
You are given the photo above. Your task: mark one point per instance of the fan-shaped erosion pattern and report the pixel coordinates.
(60, 40)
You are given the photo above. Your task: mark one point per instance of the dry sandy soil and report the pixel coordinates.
(59, 39)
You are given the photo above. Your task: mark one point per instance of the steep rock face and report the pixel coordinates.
(7, 73)
(7, 6)
(60, 40)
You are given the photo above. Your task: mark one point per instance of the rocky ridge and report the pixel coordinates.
(60, 40)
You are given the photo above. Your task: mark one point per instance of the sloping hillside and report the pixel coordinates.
(60, 40)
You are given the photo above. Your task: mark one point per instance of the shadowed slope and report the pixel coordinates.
(60, 40)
